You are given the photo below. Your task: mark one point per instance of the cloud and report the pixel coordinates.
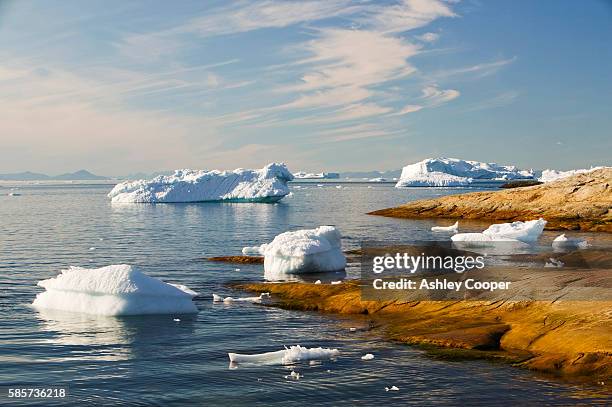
(502, 99)
(406, 110)
(428, 37)
(436, 97)
(480, 70)
(408, 15)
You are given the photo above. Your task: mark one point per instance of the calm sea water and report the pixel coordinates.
(155, 361)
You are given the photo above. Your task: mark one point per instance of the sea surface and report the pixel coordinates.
(155, 360)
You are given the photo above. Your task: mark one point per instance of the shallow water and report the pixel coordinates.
(154, 360)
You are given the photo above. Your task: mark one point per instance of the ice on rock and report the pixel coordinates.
(268, 184)
(286, 356)
(515, 232)
(453, 172)
(554, 263)
(563, 242)
(446, 229)
(113, 290)
(302, 251)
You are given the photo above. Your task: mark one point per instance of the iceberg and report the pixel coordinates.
(453, 172)
(302, 251)
(454, 228)
(113, 290)
(286, 356)
(268, 184)
(563, 242)
(319, 175)
(554, 175)
(515, 232)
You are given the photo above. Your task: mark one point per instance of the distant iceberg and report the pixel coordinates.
(268, 184)
(113, 290)
(554, 175)
(302, 251)
(453, 172)
(319, 175)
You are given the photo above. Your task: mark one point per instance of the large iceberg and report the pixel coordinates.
(113, 290)
(515, 232)
(302, 251)
(453, 172)
(554, 175)
(268, 184)
(286, 356)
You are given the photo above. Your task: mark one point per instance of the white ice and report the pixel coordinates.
(113, 290)
(563, 242)
(230, 300)
(453, 172)
(392, 388)
(515, 232)
(367, 356)
(302, 251)
(554, 263)
(268, 184)
(555, 175)
(446, 229)
(286, 356)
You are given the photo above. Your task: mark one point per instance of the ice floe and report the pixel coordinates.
(268, 184)
(392, 388)
(515, 232)
(286, 356)
(563, 242)
(113, 290)
(446, 229)
(367, 356)
(230, 300)
(453, 172)
(302, 251)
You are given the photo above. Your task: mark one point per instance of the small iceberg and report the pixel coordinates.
(286, 356)
(392, 388)
(268, 184)
(367, 356)
(230, 300)
(563, 242)
(302, 251)
(446, 229)
(113, 290)
(515, 232)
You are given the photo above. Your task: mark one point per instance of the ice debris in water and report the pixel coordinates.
(450, 229)
(177, 320)
(268, 184)
(515, 232)
(294, 375)
(554, 263)
(230, 300)
(302, 251)
(367, 356)
(113, 290)
(286, 356)
(392, 388)
(563, 242)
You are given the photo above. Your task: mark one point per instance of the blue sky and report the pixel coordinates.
(119, 87)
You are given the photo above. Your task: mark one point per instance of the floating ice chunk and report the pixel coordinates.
(230, 300)
(177, 320)
(378, 179)
(563, 242)
(14, 194)
(367, 356)
(352, 329)
(236, 269)
(294, 375)
(251, 250)
(554, 263)
(392, 388)
(302, 251)
(515, 232)
(112, 290)
(447, 229)
(92, 248)
(286, 356)
(453, 172)
(268, 184)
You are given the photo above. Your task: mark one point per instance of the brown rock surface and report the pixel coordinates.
(580, 202)
(567, 338)
(237, 259)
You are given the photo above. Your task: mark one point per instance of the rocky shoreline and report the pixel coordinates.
(569, 339)
(581, 202)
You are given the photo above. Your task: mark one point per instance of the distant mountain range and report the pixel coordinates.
(81, 175)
